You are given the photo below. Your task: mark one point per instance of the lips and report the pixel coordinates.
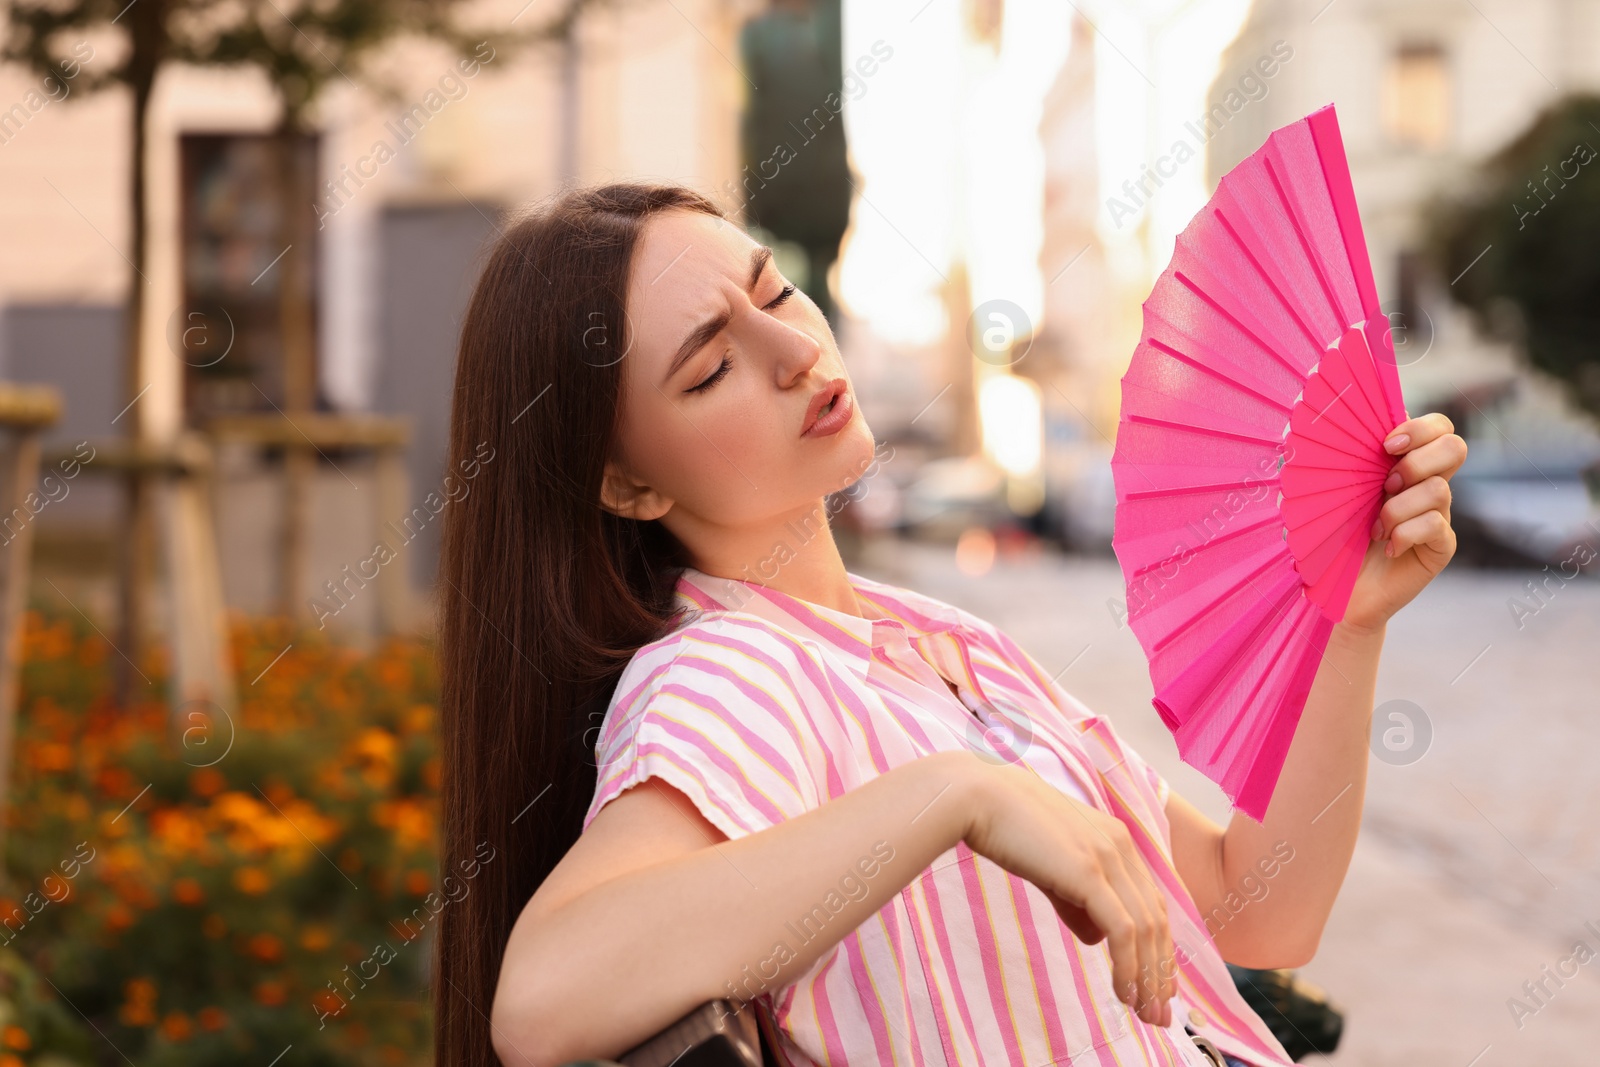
(836, 393)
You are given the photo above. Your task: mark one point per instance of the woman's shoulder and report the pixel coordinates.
(725, 694)
(716, 650)
(718, 633)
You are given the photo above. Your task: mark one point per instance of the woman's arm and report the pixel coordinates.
(1265, 890)
(653, 912)
(1267, 911)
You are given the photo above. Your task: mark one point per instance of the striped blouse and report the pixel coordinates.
(761, 706)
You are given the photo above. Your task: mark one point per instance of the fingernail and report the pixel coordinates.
(1377, 529)
(1392, 483)
(1397, 442)
(1388, 549)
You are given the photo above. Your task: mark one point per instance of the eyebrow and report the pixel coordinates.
(701, 335)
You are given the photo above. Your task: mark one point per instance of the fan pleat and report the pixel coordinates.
(1338, 370)
(1306, 540)
(1305, 417)
(1255, 785)
(1186, 554)
(1219, 375)
(1328, 406)
(1185, 322)
(1303, 451)
(1299, 484)
(1221, 300)
(1326, 553)
(1204, 430)
(1258, 251)
(1191, 687)
(1208, 407)
(1311, 206)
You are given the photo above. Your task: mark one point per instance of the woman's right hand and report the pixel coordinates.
(1085, 861)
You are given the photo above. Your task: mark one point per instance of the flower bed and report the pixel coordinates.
(205, 888)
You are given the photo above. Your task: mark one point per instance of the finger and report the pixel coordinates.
(1430, 533)
(1078, 921)
(1128, 887)
(1417, 431)
(1442, 456)
(1430, 495)
(1104, 905)
(1155, 902)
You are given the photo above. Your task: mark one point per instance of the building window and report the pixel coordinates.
(1416, 97)
(230, 333)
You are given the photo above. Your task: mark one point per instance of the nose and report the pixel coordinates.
(792, 349)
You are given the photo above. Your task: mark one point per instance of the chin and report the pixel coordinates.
(856, 457)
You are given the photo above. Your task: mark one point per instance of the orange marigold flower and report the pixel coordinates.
(140, 1007)
(211, 1018)
(252, 880)
(116, 781)
(207, 782)
(393, 673)
(419, 718)
(327, 1002)
(11, 1059)
(418, 882)
(265, 947)
(279, 793)
(271, 993)
(187, 891)
(91, 653)
(176, 1026)
(16, 1037)
(118, 917)
(315, 938)
(50, 756)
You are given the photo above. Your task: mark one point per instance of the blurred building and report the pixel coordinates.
(410, 186)
(1424, 91)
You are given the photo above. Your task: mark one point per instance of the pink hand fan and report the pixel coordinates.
(1249, 462)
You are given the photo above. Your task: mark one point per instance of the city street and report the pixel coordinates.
(1478, 863)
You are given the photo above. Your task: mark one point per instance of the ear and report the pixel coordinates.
(621, 495)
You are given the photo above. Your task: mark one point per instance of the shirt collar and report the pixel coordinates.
(896, 609)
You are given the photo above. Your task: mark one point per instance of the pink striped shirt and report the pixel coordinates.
(762, 706)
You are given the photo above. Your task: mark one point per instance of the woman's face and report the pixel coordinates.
(723, 362)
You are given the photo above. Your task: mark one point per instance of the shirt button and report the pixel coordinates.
(1197, 1017)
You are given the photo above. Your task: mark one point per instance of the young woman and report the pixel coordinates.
(705, 761)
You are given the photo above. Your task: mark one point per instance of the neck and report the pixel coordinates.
(794, 554)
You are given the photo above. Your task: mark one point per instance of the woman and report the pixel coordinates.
(710, 762)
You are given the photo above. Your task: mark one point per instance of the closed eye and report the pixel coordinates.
(716, 376)
(727, 364)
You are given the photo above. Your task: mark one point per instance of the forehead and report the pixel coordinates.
(680, 265)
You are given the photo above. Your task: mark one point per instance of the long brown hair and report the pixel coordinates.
(544, 595)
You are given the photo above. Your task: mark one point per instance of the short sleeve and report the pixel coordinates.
(715, 710)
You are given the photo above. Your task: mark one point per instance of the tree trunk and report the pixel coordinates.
(299, 367)
(136, 544)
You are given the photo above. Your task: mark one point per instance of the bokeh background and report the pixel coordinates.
(237, 239)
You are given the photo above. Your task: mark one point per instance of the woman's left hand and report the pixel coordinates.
(1412, 539)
